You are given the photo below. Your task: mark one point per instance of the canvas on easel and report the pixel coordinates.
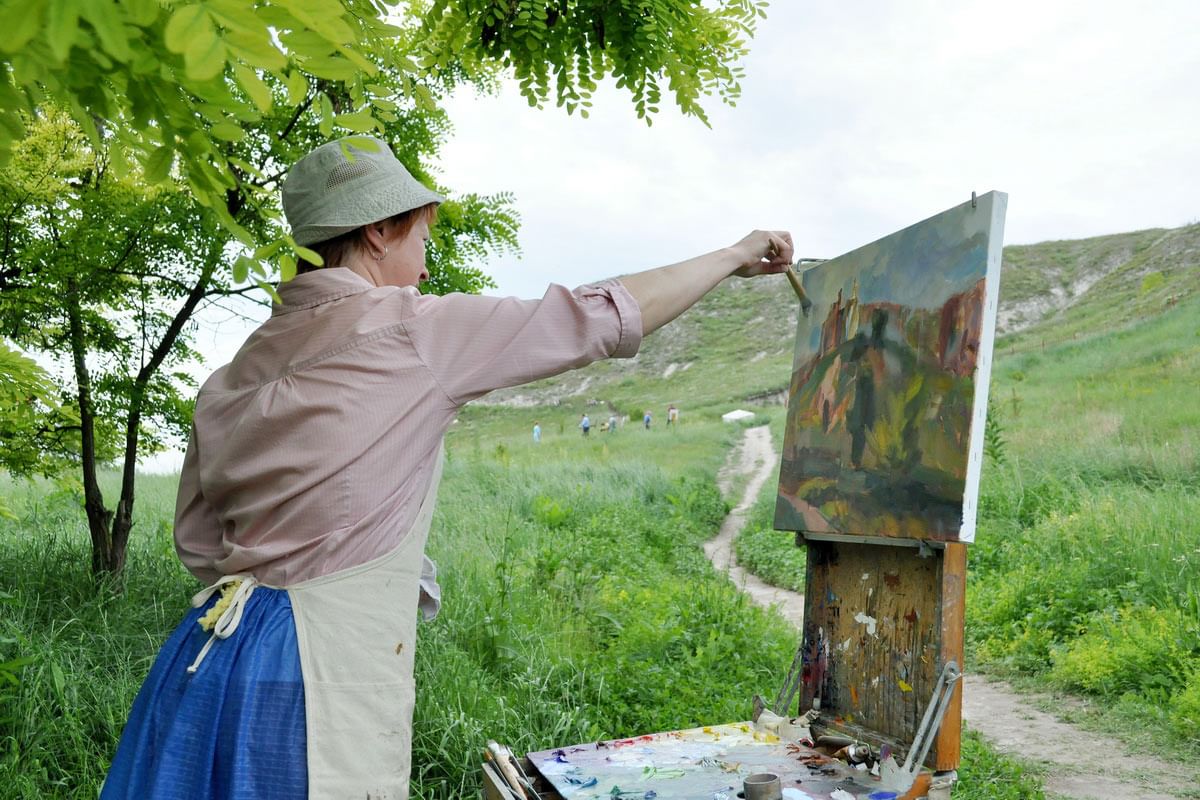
(889, 385)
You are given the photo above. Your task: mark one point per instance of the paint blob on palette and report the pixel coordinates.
(888, 392)
(707, 763)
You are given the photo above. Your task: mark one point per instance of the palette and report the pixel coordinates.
(708, 763)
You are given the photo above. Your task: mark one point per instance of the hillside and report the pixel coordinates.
(735, 346)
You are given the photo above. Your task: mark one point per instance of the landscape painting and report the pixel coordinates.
(888, 390)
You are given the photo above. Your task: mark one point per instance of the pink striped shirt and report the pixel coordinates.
(312, 450)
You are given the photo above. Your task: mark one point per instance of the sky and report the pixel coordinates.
(855, 120)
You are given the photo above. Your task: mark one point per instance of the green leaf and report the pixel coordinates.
(287, 267)
(241, 269)
(255, 87)
(228, 131)
(297, 87)
(183, 22)
(268, 250)
(359, 121)
(62, 27)
(331, 67)
(204, 58)
(270, 290)
(59, 680)
(142, 12)
(322, 18)
(309, 255)
(158, 166)
(255, 49)
(108, 23)
(20, 20)
(237, 15)
(118, 159)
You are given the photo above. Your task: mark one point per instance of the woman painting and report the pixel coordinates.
(310, 479)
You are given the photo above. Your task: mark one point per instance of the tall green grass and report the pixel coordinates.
(1086, 569)
(578, 605)
(86, 648)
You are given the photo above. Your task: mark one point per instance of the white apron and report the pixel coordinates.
(357, 632)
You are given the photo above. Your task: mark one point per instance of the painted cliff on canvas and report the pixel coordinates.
(889, 384)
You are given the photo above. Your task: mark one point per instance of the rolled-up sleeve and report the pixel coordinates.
(473, 344)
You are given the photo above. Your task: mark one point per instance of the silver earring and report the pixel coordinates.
(382, 255)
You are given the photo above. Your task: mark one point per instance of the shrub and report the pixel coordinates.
(1144, 650)
(1185, 707)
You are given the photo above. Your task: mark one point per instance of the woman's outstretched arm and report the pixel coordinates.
(666, 292)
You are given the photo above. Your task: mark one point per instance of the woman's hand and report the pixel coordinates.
(763, 253)
(664, 293)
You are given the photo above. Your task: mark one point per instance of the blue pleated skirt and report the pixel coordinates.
(234, 730)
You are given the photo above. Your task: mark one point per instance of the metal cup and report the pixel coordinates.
(763, 786)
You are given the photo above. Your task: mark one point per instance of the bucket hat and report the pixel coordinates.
(345, 184)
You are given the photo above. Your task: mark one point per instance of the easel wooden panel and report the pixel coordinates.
(880, 622)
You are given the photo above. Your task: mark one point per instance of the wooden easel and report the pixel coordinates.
(881, 621)
(884, 601)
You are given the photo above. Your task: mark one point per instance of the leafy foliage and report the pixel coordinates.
(770, 554)
(106, 270)
(562, 48)
(30, 415)
(1145, 650)
(181, 85)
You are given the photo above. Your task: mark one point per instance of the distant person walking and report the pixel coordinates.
(612, 422)
(672, 415)
(646, 420)
(537, 432)
(585, 424)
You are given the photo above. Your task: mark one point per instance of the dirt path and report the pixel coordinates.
(1075, 764)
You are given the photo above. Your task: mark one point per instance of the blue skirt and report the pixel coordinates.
(234, 729)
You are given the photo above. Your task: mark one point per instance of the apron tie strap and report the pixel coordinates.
(235, 591)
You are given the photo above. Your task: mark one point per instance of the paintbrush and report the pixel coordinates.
(793, 276)
(794, 280)
(503, 758)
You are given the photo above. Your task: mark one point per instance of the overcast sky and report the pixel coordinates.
(856, 120)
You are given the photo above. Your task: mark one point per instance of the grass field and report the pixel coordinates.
(578, 603)
(1086, 569)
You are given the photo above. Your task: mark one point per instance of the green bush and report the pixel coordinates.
(1144, 650)
(1035, 589)
(1185, 708)
(770, 554)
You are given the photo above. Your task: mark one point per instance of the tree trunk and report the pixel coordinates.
(98, 516)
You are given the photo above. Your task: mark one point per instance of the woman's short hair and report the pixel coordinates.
(337, 251)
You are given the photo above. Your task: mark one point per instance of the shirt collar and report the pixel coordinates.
(315, 288)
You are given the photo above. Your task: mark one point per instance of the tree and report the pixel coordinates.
(108, 270)
(181, 80)
(207, 102)
(30, 417)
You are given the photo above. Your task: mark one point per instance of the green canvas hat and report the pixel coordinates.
(343, 185)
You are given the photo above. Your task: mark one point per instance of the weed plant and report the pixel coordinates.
(579, 606)
(1086, 569)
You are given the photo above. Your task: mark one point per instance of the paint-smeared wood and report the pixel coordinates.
(874, 640)
(954, 596)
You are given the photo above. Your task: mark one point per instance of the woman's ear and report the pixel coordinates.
(375, 237)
